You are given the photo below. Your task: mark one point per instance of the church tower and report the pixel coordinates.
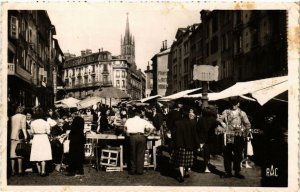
(128, 45)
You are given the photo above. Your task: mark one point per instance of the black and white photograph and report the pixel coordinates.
(150, 96)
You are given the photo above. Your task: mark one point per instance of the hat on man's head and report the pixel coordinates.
(60, 122)
(234, 101)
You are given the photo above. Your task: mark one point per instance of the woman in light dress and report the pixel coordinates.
(41, 148)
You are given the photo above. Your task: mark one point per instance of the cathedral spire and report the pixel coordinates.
(127, 45)
(127, 31)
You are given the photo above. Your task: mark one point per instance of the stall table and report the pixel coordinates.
(96, 137)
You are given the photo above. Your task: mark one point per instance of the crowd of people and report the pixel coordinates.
(58, 136)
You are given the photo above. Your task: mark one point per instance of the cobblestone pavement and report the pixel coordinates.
(163, 176)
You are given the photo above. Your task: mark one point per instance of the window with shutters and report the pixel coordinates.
(14, 27)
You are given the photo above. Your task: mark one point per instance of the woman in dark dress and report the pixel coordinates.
(185, 141)
(76, 151)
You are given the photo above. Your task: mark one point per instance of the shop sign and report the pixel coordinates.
(205, 72)
(23, 73)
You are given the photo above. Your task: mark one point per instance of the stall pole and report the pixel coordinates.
(204, 94)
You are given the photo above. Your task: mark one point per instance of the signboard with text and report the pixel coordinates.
(205, 72)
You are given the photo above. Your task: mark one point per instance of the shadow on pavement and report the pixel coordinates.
(199, 167)
(167, 169)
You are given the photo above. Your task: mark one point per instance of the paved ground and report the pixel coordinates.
(163, 176)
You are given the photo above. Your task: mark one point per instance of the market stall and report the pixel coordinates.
(93, 140)
(69, 102)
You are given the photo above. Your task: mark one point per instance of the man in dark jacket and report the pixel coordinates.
(172, 116)
(157, 118)
(206, 132)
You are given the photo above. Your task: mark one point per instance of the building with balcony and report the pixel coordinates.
(58, 60)
(260, 44)
(244, 44)
(87, 73)
(180, 68)
(30, 59)
(121, 74)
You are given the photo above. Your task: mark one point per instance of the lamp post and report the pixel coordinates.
(205, 73)
(204, 94)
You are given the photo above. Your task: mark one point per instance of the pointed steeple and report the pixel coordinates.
(127, 31)
(127, 44)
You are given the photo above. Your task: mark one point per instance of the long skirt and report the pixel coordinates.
(41, 148)
(182, 157)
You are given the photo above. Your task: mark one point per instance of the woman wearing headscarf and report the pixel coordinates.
(185, 142)
(76, 150)
(41, 148)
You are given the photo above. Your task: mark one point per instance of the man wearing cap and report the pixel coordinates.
(237, 128)
(135, 129)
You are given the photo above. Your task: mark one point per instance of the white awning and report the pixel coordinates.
(264, 95)
(69, 102)
(243, 88)
(150, 98)
(262, 90)
(178, 95)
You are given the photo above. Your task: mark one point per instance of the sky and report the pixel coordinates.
(100, 25)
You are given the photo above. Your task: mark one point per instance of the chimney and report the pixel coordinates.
(163, 47)
(83, 53)
(88, 51)
(166, 46)
(99, 50)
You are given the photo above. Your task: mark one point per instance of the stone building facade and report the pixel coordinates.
(32, 56)
(244, 44)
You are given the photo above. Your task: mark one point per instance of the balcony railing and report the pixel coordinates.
(84, 85)
(22, 72)
(11, 69)
(106, 83)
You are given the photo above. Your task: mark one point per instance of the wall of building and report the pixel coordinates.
(246, 45)
(30, 59)
(162, 72)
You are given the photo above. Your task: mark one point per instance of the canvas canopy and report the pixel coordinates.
(69, 102)
(88, 102)
(178, 95)
(262, 90)
(150, 98)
